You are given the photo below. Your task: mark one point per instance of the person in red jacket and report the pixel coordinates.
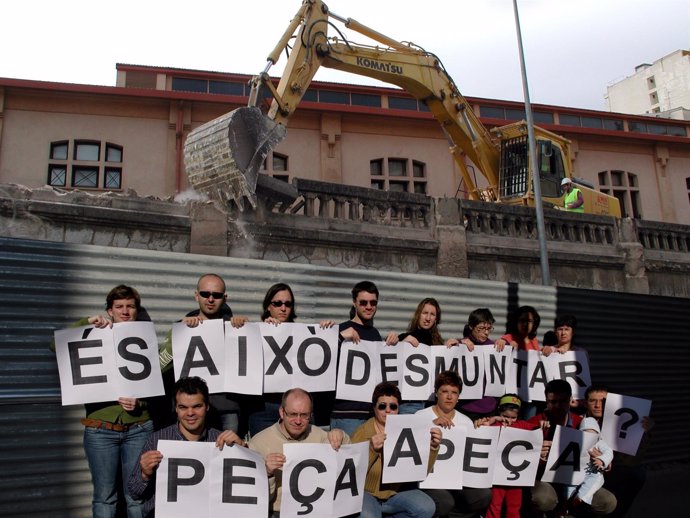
(508, 411)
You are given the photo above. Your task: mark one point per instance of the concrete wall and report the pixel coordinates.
(446, 237)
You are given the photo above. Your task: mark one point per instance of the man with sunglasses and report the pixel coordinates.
(211, 297)
(348, 415)
(294, 426)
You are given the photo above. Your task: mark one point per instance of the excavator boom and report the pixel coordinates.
(223, 157)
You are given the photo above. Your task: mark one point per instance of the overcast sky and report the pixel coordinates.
(573, 48)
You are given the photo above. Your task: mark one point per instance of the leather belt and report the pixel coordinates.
(115, 427)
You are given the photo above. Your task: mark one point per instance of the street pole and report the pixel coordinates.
(536, 187)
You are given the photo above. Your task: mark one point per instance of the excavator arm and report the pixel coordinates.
(416, 71)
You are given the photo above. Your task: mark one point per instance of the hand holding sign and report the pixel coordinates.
(104, 364)
(406, 448)
(622, 426)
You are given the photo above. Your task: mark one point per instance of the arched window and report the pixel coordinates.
(85, 164)
(624, 186)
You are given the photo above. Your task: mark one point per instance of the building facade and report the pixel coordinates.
(131, 136)
(662, 88)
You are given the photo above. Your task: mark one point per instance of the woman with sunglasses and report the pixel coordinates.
(278, 307)
(390, 499)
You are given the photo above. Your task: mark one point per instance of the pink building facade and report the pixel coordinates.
(131, 136)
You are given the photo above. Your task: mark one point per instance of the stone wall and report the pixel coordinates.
(108, 219)
(328, 224)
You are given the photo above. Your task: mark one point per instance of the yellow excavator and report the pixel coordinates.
(223, 157)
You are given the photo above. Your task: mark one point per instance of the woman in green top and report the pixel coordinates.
(115, 431)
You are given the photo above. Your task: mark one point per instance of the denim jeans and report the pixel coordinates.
(262, 419)
(411, 407)
(108, 453)
(468, 502)
(230, 421)
(412, 503)
(346, 425)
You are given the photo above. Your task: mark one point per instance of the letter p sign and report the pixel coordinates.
(176, 478)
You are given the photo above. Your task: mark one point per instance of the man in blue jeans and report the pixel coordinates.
(115, 431)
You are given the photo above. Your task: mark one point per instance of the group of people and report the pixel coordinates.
(120, 441)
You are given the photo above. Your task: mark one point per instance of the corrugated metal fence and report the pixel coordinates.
(46, 286)
(634, 341)
(637, 347)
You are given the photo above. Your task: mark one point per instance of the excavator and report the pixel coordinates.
(224, 156)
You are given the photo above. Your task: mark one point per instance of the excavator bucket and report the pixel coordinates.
(223, 157)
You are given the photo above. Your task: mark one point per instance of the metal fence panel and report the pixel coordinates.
(636, 345)
(46, 286)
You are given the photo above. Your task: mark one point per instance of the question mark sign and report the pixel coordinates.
(626, 424)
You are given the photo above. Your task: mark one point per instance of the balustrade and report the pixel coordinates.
(350, 203)
(663, 236)
(316, 199)
(520, 222)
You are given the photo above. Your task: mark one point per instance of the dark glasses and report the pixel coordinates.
(279, 303)
(365, 303)
(214, 294)
(383, 406)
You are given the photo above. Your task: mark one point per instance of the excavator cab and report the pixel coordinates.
(515, 178)
(223, 157)
(551, 168)
(553, 163)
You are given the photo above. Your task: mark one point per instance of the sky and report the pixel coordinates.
(573, 48)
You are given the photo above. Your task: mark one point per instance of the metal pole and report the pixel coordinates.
(541, 229)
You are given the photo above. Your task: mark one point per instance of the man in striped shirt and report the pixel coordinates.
(191, 406)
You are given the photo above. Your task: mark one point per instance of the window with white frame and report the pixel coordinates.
(85, 164)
